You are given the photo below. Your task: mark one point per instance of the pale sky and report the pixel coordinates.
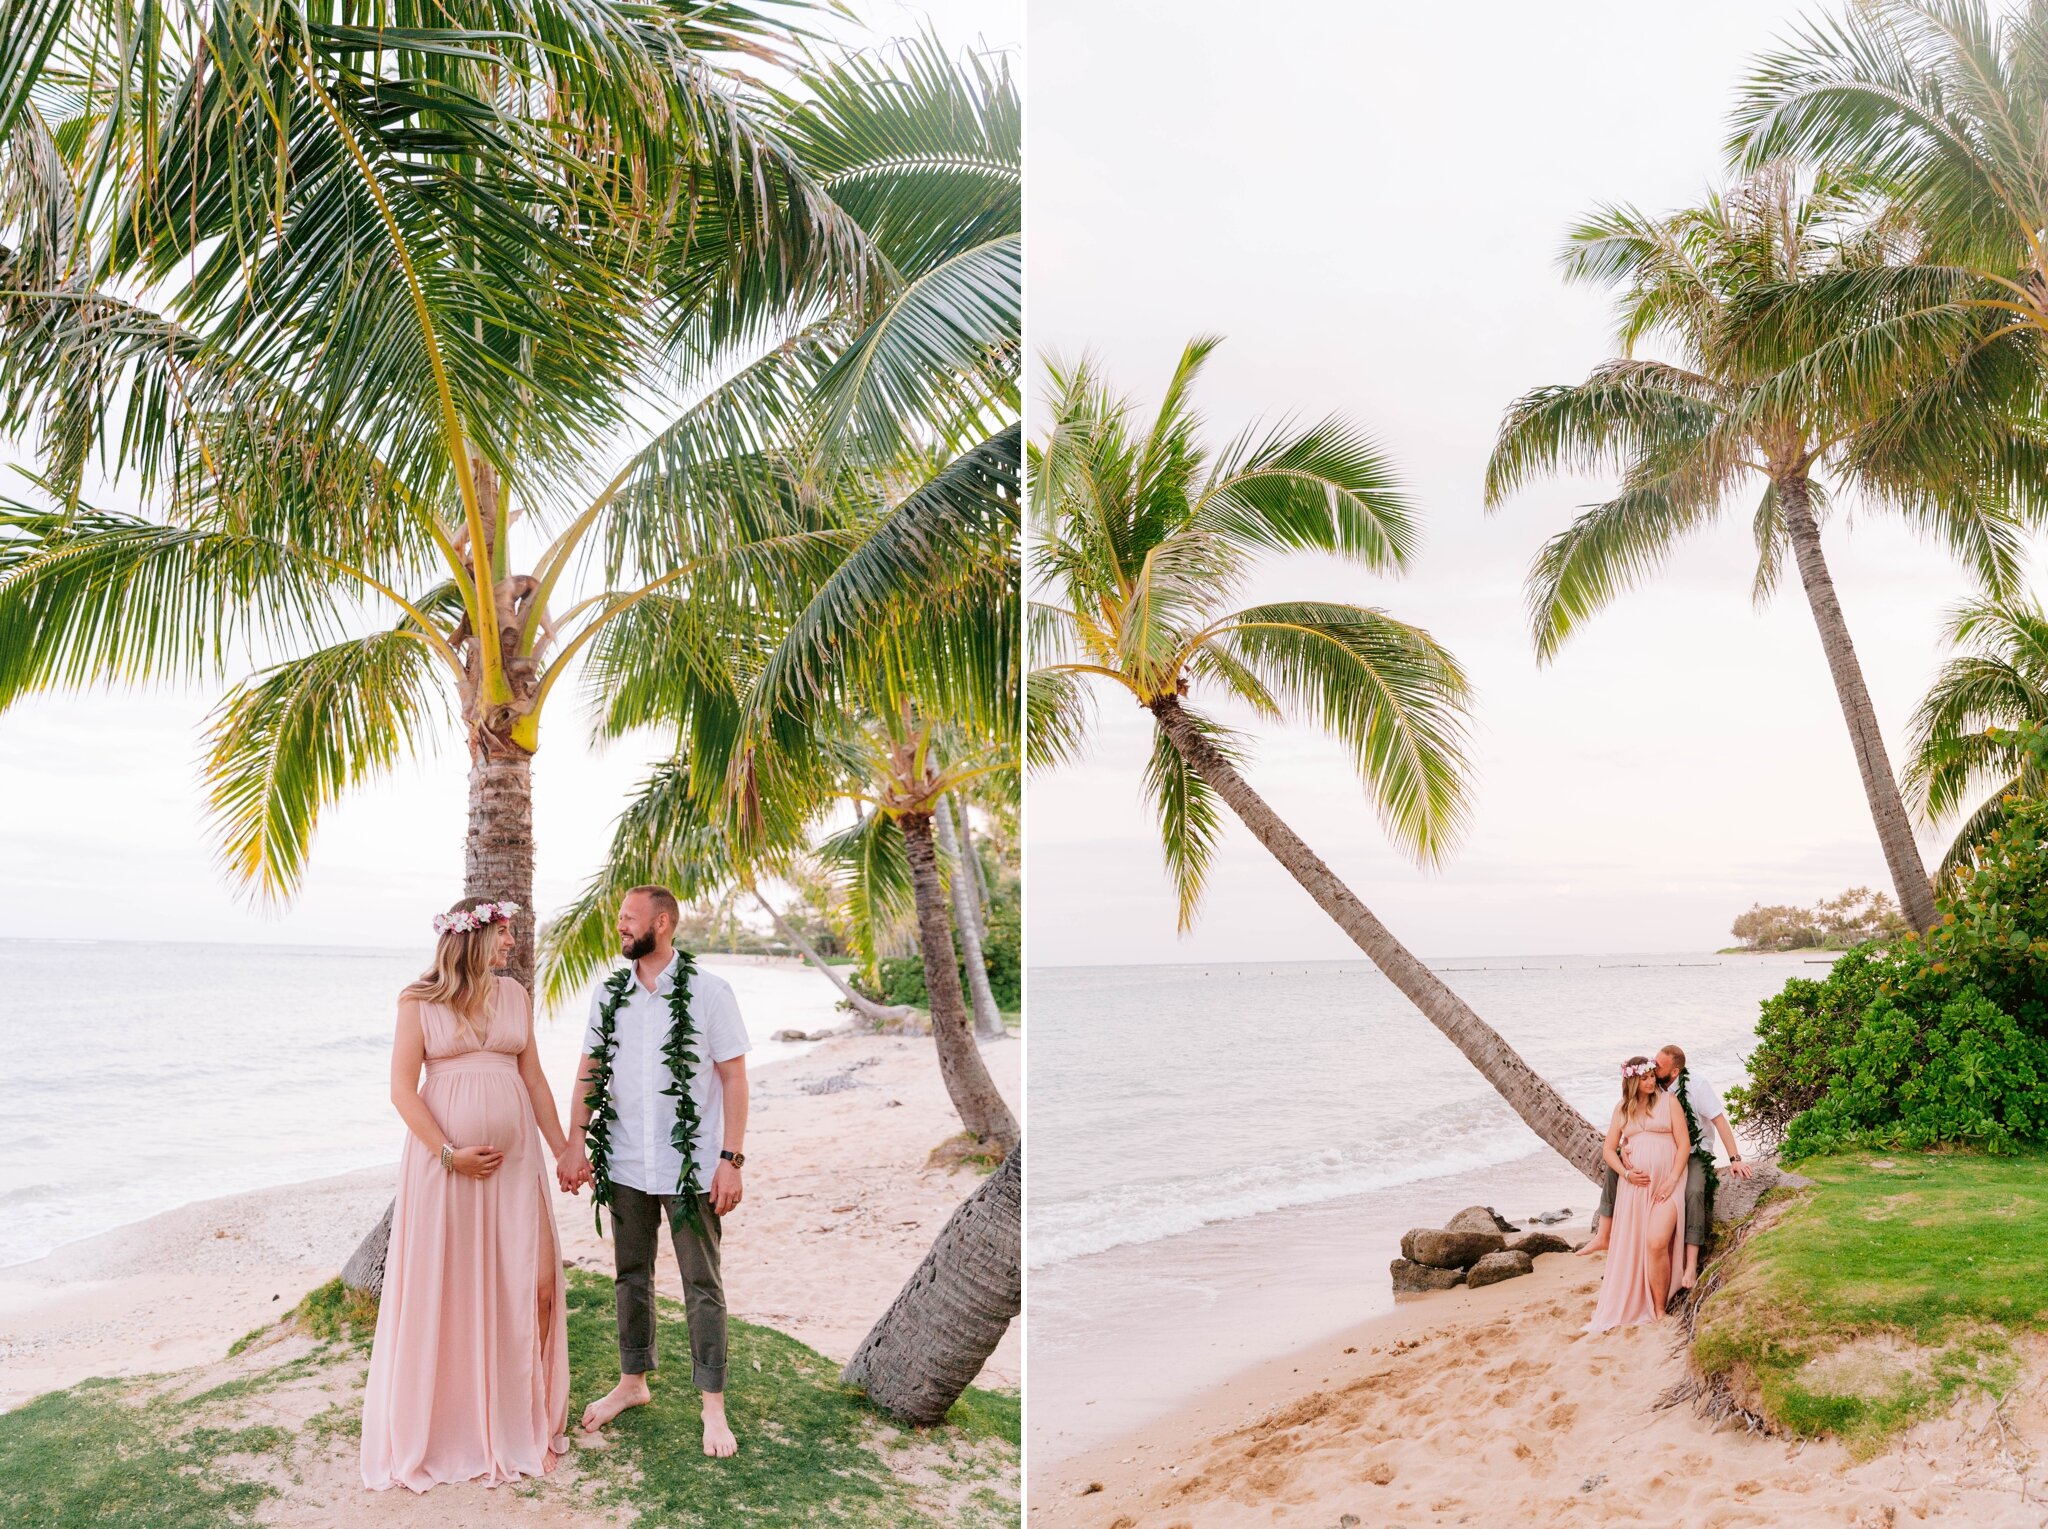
(1367, 200)
(102, 812)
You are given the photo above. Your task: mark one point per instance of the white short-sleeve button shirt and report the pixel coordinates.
(1704, 1098)
(642, 1155)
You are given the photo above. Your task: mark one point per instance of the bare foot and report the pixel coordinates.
(718, 1439)
(631, 1391)
(1597, 1245)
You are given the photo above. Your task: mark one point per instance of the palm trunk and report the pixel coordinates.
(1880, 787)
(946, 1321)
(861, 1004)
(973, 1091)
(497, 863)
(498, 855)
(988, 1019)
(1560, 1127)
(981, 896)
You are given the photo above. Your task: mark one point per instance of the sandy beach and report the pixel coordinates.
(1493, 1406)
(840, 1207)
(1123, 1339)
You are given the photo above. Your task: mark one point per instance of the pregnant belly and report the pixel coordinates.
(478, 1110)
(1651, 1153)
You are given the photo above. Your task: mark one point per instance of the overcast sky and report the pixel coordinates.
(1367, 200)
(102, 813)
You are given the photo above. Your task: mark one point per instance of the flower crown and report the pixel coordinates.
(1637, 1069)
(469, 920)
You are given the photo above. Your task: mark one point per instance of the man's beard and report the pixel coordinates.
(634, 946)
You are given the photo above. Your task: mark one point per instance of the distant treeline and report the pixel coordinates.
(1856, 917)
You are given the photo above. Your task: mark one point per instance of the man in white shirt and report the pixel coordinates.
(1702, 1101)
(643, 1164)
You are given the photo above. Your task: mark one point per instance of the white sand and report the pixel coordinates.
(1491, 1406)
(840, 1207)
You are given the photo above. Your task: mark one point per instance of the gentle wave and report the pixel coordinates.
(1166, 1099)
(1152, 1212)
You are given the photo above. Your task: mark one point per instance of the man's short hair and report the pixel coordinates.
(664, 902)
(1677, 1054)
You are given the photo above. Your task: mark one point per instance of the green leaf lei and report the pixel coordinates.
(678, 1051)
(1700, 1148)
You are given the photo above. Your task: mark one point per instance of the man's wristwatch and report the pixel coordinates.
(737, 1159)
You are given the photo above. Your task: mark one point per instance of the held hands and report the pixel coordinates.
(725, 1188)
(476, 1162)
(572, 1168)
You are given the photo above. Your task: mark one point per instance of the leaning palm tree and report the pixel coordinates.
(1719, 426)
(1965, 733)
(1142, 542)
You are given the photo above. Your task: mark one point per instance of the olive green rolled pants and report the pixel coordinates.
(636, 1236)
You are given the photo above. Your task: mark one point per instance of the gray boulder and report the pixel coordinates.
(1536, 1244)
(1735, 1199)
(1411, 1277)
(1480, 1218)
(1449, 1250)
(1495, 1267)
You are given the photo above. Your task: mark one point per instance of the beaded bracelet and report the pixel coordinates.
(448, 1156)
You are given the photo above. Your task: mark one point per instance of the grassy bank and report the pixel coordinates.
(1883, 1292)
(280, 1418)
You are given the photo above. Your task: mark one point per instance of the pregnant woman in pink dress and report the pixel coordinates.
(1647, 1145)
(469, 1375)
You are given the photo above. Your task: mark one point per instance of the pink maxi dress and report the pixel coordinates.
(1627, 1294)
(469, 1373)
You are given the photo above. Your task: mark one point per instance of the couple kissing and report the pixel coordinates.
(1655, 1193)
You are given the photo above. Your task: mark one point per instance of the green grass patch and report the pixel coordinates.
(1884, 1292)
(88, 1456)
(138, 1454)
(335, 1313)
(961, 1150)
(811, 1449)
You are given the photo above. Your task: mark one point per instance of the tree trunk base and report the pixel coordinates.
(364, 1270)
(943, 1325)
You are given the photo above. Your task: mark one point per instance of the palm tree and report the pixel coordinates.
(1964, 734)
(1143, 541)
(1693, 436)
(890, 679)
(340, 323)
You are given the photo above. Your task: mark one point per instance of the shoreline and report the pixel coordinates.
(838, 1177)
(1493, 1405)
(1123, 1338)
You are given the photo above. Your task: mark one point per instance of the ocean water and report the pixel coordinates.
(1168, 1098)
(140, 1077)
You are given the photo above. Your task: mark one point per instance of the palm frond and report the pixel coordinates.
(1190, 814)
(294, 738)
(110, 598)
(1387, 691)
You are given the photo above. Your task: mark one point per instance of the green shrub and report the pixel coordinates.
(1002, 957)
(1971, 1077)
(1801, 1034)
(1927, 1040)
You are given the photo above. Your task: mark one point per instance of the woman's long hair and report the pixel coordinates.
(461, 974)
(1631, 1089)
